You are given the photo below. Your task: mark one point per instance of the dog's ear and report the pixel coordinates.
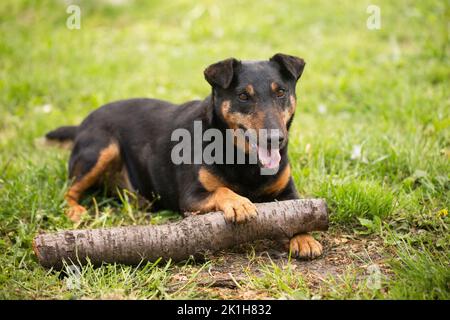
(291, 66)
(220, 74)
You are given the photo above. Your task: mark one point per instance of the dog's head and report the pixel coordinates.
(257, 95)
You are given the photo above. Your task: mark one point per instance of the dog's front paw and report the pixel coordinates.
(305, 246)
(74, 213)
(236, 208)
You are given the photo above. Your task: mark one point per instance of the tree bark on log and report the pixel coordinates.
(192, 236)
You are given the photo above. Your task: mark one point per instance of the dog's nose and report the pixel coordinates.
(275, 138)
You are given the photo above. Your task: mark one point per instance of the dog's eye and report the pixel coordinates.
(281, 93)
(243, 96)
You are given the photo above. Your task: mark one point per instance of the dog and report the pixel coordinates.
(128, 144)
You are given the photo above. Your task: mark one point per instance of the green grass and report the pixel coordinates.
(421, 274)
(383, 92)
(362, 199)
(281, 282)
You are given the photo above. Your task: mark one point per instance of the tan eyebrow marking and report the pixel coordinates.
(250, 90)
(274, 86)
(293, 101)
(289, 112)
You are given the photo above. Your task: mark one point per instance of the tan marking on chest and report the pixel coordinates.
(277, 186)
(209, 181)
(235, 207)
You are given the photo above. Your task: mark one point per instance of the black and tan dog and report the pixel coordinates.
(129, 142)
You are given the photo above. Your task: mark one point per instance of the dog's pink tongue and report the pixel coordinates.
(269, 158)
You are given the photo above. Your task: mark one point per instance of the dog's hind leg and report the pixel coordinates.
(90, 160)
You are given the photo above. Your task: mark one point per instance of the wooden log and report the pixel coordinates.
(192, 236)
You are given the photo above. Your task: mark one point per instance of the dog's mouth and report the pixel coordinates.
(267, 158)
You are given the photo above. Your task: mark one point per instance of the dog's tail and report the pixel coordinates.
(66, 133)
(62, 137)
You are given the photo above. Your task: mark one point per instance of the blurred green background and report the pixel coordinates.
(371, 134)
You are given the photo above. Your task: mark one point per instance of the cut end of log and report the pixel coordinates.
(36, 249)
